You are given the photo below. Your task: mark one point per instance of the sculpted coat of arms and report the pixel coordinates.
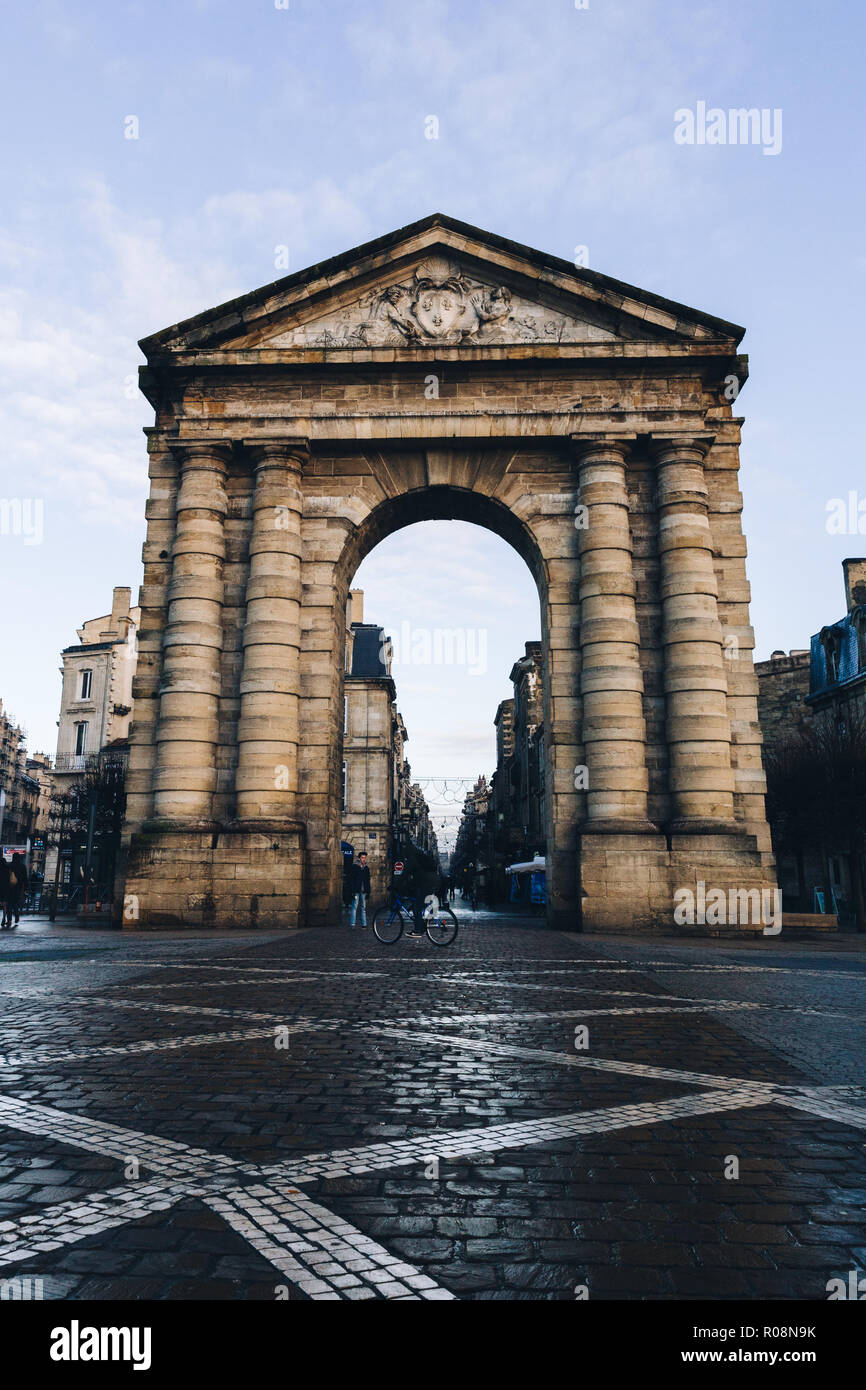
(441, 303)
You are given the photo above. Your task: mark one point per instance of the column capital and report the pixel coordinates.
(202, 453)
(287, 452)
(688, 448)
(587, 446)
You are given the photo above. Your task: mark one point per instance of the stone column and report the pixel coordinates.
(266, 781)
(698, 728)
(153, 603)
(611, 683)
(187, 734)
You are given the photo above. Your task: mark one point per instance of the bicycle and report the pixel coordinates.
(390, 920)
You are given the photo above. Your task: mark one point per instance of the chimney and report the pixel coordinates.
(356, 606)
(855, 582)
(118, 622)
(120, 605)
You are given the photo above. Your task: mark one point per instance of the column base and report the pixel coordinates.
(245, 875)
(693, 825)
(619, 826)
(712, 883)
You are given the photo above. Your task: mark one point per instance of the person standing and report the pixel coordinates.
(482, 885)
(17, 888)
(359, 882)
(4, 891)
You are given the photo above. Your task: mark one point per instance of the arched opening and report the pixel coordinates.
(443, 742)
(447, 504)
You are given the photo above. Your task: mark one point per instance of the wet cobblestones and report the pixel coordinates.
(317, 1116)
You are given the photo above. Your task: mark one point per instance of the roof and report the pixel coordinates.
(367, 661)
(263, 308)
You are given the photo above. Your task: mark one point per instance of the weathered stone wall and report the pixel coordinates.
(783, 685)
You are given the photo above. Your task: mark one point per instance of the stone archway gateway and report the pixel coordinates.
(443, 372)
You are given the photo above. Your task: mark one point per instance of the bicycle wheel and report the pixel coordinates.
(388, 924)
(442, 927)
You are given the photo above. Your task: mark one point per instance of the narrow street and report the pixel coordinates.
(313, 1115)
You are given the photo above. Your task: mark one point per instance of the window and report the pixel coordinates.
(345, 714)
(344, 785)
(80, 740)
(86, 685)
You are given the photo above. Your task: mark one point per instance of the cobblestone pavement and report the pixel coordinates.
(318, 1116)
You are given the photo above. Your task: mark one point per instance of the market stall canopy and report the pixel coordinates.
(530, 866)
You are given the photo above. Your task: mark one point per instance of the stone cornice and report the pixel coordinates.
(631, 349)
(494, 424)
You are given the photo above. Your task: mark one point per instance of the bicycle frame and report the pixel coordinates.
(402, 904)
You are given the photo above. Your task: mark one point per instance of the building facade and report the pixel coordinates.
(96, 695)
(415, 820)
(516, 823)
(22, 791)
(784, 685)
(96, 707)
(373, 735)
(812, 707)
(526, 769)
(40, 770)
(472, 849)
(381, 804)
(588, 423)
(838, 652)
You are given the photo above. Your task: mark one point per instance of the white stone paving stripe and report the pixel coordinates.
(65, 1223)
(575, 1059)
(155, 1006)
(684, 1000)
(325, 1256)
(46, 1055)
(160, 1155)
(814, 1099)
(282, 970)
(568, 1059)
(185, 1172)
(827, 1108)
(682, 1004)
(515, 1134)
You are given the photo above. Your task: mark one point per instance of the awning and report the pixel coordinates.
(531, 866)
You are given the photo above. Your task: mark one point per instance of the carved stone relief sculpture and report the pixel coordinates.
(440, 303)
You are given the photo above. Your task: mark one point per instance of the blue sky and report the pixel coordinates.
(261, 127)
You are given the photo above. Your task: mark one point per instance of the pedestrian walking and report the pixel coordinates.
(442, 890)
(16, 890)
(359, 882)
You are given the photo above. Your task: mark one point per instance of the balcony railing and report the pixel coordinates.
(91, 762)
(74, 762)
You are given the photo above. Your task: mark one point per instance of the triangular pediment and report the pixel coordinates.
(440, 283)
